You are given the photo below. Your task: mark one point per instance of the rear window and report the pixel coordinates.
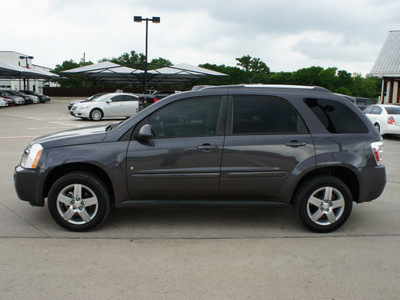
(335, 116)
(393, 110)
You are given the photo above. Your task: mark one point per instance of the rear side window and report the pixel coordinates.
(393, 110)
(335, 116)
(265, 115)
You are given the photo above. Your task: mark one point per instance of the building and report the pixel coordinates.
(23, 60)
(387, 67)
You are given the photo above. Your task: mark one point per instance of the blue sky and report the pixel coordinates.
(286, 35)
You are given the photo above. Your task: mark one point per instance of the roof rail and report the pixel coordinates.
(271, 86)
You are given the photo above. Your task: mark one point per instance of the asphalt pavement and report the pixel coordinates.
(189, 252)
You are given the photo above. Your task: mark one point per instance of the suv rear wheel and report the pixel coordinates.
(324, 203)
(79, 201)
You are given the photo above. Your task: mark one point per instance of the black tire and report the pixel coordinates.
(323, 203)
(96, 114)
(79, 201)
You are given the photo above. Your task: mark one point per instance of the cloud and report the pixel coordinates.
(285, 34)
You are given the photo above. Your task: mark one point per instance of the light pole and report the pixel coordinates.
(26, 86)
(139, 19)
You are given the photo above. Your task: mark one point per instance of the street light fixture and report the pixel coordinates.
(139, 19)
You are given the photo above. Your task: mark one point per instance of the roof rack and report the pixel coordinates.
(270, 86)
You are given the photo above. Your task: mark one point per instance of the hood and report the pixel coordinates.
(87, 135)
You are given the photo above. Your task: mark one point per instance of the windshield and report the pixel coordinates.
(102, 98)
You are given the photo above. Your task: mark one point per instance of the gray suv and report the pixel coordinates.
(232, 145)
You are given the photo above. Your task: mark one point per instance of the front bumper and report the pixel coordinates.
(27, 185)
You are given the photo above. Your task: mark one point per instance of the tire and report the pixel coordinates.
(96, 114)
(324, 203)
(79, 201)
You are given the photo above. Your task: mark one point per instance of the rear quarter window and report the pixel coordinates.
(393, 110)
(335, 116)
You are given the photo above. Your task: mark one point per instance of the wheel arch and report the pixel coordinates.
(345, 174)
(59, 171)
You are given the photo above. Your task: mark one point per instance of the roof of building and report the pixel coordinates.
(388, 62)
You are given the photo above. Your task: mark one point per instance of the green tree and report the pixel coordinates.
(75, 80)
(254, 68)
(160, 63)
(127, 59)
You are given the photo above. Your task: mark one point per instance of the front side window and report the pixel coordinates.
(265, 115)
(189, 117)
(335, 116)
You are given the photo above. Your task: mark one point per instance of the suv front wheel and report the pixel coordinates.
(79, 201)
(324, 203)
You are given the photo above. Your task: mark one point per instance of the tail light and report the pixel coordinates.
(377, 149)
(155, 100)
(391, 120)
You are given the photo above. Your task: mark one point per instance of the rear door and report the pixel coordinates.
(266, 140)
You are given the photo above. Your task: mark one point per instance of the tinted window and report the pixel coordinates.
(265, 115)
(376, 110)
(118, 98)
(191, 117)
(368, 109)
(393, 110)
(335, 116)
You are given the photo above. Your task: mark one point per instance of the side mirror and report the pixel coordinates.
(144, 133)
(109, 101)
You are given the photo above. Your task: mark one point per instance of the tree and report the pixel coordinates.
(253, 68)
(74, 80)
(160, 63)
(126, 58)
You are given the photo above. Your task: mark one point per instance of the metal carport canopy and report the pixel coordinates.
(114, 73)
(13, 71)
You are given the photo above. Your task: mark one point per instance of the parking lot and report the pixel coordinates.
(191, 252)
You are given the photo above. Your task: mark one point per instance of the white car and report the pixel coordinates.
(106, 106)
(3, 102)
(385, 117)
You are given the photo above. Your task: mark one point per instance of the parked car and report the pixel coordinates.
(9, 100)
(386, 118)
(109, 105)
(149, 99)
(3, 102)
(94, 97)
(28, 99)
(231, 145)
(362, 102)
(42, 98)
(19, 100)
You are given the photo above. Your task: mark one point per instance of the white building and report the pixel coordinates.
(387, 67)
(23, 60)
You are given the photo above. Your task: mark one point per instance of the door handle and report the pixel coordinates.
(295, 144)
(207, 147)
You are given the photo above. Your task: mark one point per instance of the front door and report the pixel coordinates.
(183, 159)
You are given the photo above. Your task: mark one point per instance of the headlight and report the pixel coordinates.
(31, 156)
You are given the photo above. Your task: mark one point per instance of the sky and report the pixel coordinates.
(287, 34)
